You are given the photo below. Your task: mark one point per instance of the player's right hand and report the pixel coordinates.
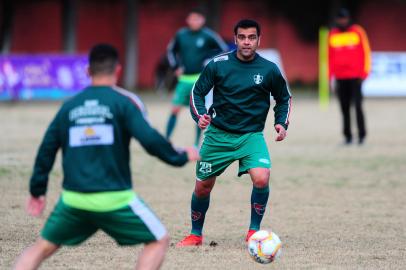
(192, 153)
(35, 206)
(178, 71)
(204, 121)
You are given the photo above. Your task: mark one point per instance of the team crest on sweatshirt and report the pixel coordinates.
(258, 78)
(200, 42)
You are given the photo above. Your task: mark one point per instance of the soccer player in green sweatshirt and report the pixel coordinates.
(94, 130)
(188, 52)
(242, 83)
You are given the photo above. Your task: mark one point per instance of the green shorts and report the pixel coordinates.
(221, 148)
(181, 96)
(130, 225)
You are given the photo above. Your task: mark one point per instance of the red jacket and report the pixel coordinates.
(349, 53)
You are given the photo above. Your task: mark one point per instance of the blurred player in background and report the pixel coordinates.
(94, 130)
(188, 52)
(349, 63)
(242, 83)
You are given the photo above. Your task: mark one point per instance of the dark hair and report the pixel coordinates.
(343, 13)
(247, 23)
(198, 10)
(103, 59)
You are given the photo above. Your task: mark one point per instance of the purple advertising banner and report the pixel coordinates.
(42, 76)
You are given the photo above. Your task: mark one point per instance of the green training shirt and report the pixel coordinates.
(94, 130)
(190, 49)
(241, 93)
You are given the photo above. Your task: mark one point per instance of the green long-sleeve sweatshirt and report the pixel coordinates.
(241, 93)
(190, 49)
(94, 130)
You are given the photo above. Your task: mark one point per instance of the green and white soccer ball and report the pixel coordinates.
(264, 247)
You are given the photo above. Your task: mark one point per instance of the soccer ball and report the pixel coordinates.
(264, 247)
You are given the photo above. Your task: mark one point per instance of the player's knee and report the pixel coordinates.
(45, 248)
(175, 110)
(203, 188)
(262, 180)
(202, 192)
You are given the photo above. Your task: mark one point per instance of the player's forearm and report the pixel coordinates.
(282, 111)
(197, 97)
(44, 161)
(201, 88)
(169, 155)
(171, 55)
(153, 142)
(156, 145)
(38, 185)
(197, 106)
(283, 100)
(173, 62)
(42, 167)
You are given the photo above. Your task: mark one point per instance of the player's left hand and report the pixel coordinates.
(281, 132)
(35, 206)
(204, 121)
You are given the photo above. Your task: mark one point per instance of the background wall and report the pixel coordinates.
(37, 27)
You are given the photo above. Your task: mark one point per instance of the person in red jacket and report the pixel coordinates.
(349, 63)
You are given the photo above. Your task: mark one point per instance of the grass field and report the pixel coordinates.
(334, 207)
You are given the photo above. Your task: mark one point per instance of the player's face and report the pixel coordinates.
(247, 41)
(343, 22)
(195, 21)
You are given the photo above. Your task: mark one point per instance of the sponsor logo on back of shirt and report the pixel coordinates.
(90, 127)
(91, 135)
(90, 112)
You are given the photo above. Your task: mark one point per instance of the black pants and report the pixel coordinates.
(349, 91)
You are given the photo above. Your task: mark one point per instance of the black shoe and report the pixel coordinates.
(361, 141)
(347, 141)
